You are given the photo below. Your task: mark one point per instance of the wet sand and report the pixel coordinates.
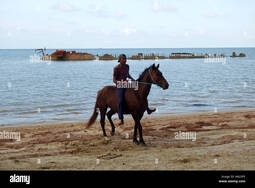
(224, 141)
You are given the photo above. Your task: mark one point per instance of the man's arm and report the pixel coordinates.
(129, 76)
(114, 75)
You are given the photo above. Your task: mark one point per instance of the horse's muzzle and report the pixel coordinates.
(165, 86)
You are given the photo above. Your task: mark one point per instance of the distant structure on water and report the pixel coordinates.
(63, 55)
(240, 55)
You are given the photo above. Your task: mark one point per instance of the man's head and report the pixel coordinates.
(122, 59)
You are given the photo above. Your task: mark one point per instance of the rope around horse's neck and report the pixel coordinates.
(149, 83)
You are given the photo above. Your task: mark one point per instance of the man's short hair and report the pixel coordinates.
(122, 56)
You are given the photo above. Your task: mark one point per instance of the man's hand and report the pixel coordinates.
(122, 82)
(129, 76)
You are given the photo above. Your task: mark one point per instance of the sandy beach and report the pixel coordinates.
(224, 141)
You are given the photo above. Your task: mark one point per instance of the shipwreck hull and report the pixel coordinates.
(62, 55)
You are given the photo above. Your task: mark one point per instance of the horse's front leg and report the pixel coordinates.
(141, 141)
(136, 119)
(135, 135)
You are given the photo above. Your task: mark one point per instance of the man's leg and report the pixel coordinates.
(120, 95)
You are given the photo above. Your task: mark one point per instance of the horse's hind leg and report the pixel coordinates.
(109, 116)
(102, 119)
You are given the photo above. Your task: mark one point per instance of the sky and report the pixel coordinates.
(126, 23)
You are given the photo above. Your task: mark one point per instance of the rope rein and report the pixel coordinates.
(149, 83)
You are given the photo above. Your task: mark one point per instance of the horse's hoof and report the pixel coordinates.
(143, 143)
(136, 142)
(106, 138)
(112, 133)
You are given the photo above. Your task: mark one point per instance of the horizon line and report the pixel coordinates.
(119, 48)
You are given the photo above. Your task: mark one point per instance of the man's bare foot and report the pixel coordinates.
(121, 122)
(149, 111)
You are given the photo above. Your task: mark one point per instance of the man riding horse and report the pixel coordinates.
(136, 102)
(120, 74)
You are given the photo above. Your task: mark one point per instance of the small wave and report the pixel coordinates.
(62, 105)
(75, 109)
(243, 106)
(56, 106)
(33, 112)
(156, 103)
(59, 119)
(164, 99)
(200, 104)
(213, 91)
(76, 113)
(62, 114)
(232, 101)
(199, 96)
(194, 101)
(28, 112)
(3, 111)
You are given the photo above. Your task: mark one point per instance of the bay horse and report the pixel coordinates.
(135, 101)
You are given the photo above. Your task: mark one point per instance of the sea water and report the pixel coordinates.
(33, 91)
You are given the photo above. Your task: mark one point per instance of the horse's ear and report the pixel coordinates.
(153, 66)
(157, 66)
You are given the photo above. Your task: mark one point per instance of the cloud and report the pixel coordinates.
(9, 34)
(68, 34)
(98, 11)
(103, 12)
(65, 7)
(128, 31)
(186, 34)
(37, 8)
(166, 7)
(189, 33)
(202, 32)
(156, 6)
(120, 15)
(106, 32)
(216, 14)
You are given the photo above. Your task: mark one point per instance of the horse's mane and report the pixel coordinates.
(143, 73)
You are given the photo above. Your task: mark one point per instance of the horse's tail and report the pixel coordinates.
(93, 117)
(95, 113)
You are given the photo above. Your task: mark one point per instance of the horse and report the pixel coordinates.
(135, 101)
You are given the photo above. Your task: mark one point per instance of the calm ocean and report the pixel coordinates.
(42, 92)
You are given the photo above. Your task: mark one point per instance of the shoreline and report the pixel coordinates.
(128, 117)
(224, 141)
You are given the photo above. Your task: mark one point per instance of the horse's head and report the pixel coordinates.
(157, 77)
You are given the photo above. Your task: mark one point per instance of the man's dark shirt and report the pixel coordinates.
(121, 72)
